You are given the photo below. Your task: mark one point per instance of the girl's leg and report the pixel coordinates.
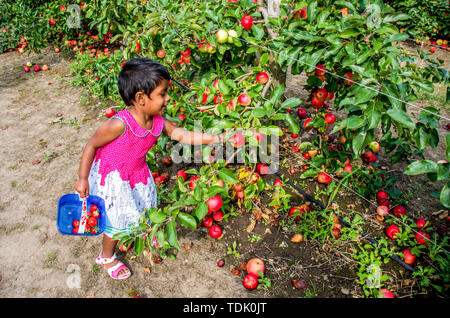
(108, 248)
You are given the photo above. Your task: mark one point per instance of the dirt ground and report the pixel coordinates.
(46, 130)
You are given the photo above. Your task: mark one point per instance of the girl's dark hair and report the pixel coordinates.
(140, 75)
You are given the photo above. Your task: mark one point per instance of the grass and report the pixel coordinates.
(437, 99)
(50, 258)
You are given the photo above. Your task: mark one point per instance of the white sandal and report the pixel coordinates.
(114, 270)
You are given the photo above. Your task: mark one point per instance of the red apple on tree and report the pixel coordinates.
(247, 22)
(109, 112)
(214, 203)
(244, 99)
(161, 53)
(237, 140)
(330, 118)
(262, 78)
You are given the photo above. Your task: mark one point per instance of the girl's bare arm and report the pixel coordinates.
(190, 137)
(106, 133)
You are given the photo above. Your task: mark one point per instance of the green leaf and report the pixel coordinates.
(355, 122)
(292, 123)
(201, 210)
(445, 195)
(172, 234)
(374, 118)
(443, 171)
(291, 103)
(447, 151)
(396, 37)
(157, 217)
(350, 32)
(187, 220)
(139, 245)
(259, 112)
(264, 59)
(401, 117)
(276, 94)
(421, 167)
(227, 176)
(358, 142)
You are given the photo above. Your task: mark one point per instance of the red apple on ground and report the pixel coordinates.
(215, 231)
(383, 210)
(324, 178)
(421, 238)
(254, 266)
(391, 231)
(420, 223)
(409, 258)
(250, 281)
(399, 211)
(385, 293)
(302, 113)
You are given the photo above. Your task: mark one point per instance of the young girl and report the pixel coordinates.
(113, 165)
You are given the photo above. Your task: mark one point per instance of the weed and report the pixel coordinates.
(232, 250)
(254, 238)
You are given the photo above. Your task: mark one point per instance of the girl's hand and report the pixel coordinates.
(82, 187)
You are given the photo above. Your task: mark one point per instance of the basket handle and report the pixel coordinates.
(83, 219)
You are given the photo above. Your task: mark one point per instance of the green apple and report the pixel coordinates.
(374, 146)
(222, 36)
(232, 34)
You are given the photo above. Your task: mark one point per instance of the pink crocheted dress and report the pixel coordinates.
(120, 174)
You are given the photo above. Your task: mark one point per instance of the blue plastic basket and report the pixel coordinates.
(69, 210)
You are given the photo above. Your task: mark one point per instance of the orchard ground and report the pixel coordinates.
(48, 122)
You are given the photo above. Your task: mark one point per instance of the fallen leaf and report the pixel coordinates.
(37, 103)
(297, 238)
(244, 266)
(257, 215)
(146, 269)
(251, 226)
(58, 145)
(35, 162)
(236, 271)
(187, 247)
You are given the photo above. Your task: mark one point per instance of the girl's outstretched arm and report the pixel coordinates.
(106, 133)
(191, 137)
